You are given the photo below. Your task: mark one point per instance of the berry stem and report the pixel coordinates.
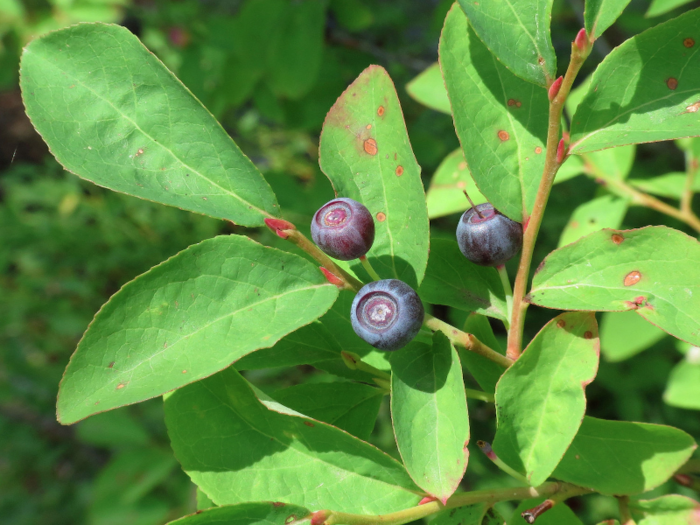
(480, 395)
(466, 341)
(489, 453)
(368, 267)
(505, 281)
(532, 223)
(473, 205)
(355, 362)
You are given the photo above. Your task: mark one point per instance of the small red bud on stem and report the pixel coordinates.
(427, 499)
(532, 514)
(486, 449)
(319, 517)
(581, 40)
(333, 278)
(279, 226)
(561, 151)
(554, 88)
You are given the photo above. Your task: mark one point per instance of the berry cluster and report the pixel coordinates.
(388, 313)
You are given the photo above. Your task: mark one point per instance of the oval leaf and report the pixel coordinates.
(237, 450)
(601, 14)
(428, 88)
(603, 212)
(540, 400)
(366, 154)
(113, 114)
(651, 454)
(646, 90)
(429, 414)
(187, 318)
(624, 334)
(653, 270)
(248, 514)
(683, 387)
(517, 33)
(499, 119)
(672, 509)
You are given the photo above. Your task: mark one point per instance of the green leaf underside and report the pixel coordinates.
(653, 270)
(499, 119)
(428, 88)
(366, 154)
(601, 14)
(672, 509)
(248, 514)
(659, 7)
(188, 318)
(603, 212)
(517, 33)
(352, 407)
(113, 114)
(450, 181)
(429, 415)
(620, 457)
(452, 280)
(683, 387)
(319, 344)
(557, 515)
(671, 185)
(644, 90)
(237, 450)
(486, 372)
(468, 515)
(624, 334)
(540, 400)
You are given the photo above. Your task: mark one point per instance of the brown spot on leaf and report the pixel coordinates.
(688, 42)
(539, 268)
(399, 171)
(561, 323)
(380, 110)
(540, 60)
(139, 152)
(368, 126)
(121, 385)
(632, 278)
(672, 83)
(370, 146)
(588, 335)
(503, 135)
(381, 217)
(514, 102)
(693, 108)
(184, 371)
(111, 365)
(309, 424)
(277, 504)
(462, 166)
(538, 150)
(617, 238)
(461, 185)
(97, 403)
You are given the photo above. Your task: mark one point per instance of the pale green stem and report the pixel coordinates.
(368, 267)
(355, 362)
(625, 516)
(505, 281)
(480, 395)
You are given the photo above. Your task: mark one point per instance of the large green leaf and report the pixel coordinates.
(187, 318)
(602, 212)
(236, 449)
(659, 7)
(429, 414)
(112, 113)
(646, 90)
(625, 334)
(450, 181)
(683, 387)
(485, 372)
(500, 119)
(352, 407)
(619, 457)
(517, 33)
(601, 14)
(428, 88)
(666, 510)
(262, 513)
(366, 154)
(454, 281)
(652, 270)
(540, 400)
(560, 514)
(614, 163)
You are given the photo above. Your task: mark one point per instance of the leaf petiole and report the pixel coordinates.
(368, 267)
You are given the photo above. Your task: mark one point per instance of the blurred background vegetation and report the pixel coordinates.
(269, 70)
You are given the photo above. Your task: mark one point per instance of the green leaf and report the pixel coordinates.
(454, 281)
(467, 515)
(603, 212)
(560, 514)
(366, 154)
(683, 387)
(187, 318)
(113, 114)
(601, 14)
(499, 118)
(540, 400)
(486, 372)
(248, 514)
(670, 185)
(625, 334)
(645, 90)
(660, 7)
(428, 88)
(429, 414)
(117, 429)
(666, 510)
(445, 194)
(352, 407)
(572, 167)
(614, 270)
(620, 457)
(517, 33)
(203, 501)
(238, 450)
(611, 164)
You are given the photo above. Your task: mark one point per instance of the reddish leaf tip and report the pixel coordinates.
(554, 88)
(427, 499)
(279, 224)
(332, 278)
(581, 40)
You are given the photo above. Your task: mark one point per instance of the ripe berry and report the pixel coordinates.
(387, 314)
(343, 228)
(487, 237)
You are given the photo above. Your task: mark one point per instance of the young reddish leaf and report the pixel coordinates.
(540, 400)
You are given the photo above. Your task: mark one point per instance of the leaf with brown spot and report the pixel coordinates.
(654, 272)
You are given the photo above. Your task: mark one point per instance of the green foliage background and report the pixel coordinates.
(269, 75)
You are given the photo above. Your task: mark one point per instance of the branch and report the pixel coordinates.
(625, 516)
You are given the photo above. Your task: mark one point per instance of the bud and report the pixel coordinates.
(581, 40)
(554, 88)
(561, 151)
(332, 278)
(279, 226)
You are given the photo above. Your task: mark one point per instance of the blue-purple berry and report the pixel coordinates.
(387, 314)
(343, 228)
(487, 237)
